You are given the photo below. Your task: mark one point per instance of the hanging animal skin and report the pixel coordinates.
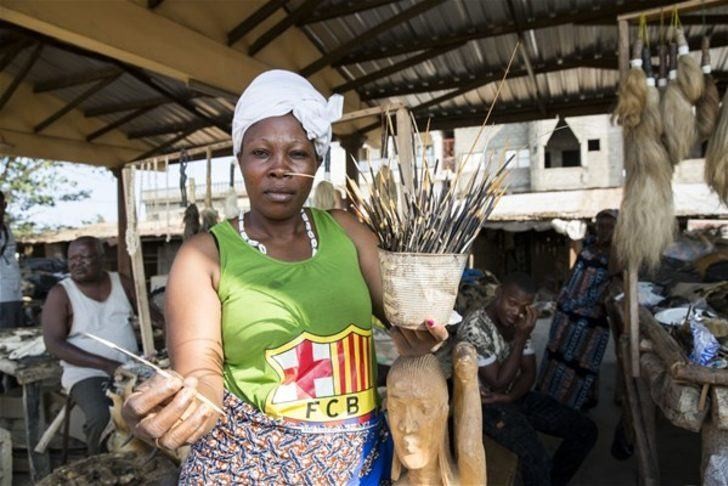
(716, 157)
(632, 92)
(680, 131)
(707, 107)
(689, 74)
(645, 226)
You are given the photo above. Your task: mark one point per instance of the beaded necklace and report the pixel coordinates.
(261, 247)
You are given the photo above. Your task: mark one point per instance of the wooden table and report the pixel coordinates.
(691, 397)
(33, 373)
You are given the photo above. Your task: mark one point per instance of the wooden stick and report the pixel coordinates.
(648, 475)
(633, 319)
(137, 263)
(301, 174)
(156, 368)
(703, 397)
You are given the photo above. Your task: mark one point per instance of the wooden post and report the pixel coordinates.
(134, 246)
(351, 145)
(6, 458)
(208, 180)
(647, 467)
(40, 465)
(630, 281)
(715, 442)
(405, 147)
(634, 320)
(123, 262)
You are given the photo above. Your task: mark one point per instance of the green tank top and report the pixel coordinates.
(297, 336)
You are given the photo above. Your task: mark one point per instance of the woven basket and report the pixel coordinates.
(419, 286)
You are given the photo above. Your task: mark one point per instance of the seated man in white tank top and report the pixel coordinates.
(90, 301)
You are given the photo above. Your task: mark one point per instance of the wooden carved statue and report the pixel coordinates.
(418, 406)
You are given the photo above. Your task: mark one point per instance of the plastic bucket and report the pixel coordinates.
(419, 286)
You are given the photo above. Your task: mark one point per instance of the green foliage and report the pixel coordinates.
(30, 185)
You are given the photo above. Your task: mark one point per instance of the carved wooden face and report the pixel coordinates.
(417, 404)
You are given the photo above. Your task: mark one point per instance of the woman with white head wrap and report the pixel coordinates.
(269, 316)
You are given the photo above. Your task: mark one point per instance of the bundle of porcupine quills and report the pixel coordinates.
(415, 214)
(663, 121)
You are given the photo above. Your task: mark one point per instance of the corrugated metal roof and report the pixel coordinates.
(476, 57)
(482, 57)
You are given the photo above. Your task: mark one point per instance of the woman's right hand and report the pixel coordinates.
(165, 410)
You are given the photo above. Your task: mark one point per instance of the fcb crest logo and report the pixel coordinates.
(323, 378)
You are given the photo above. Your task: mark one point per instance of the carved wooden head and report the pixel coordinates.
(417, 404)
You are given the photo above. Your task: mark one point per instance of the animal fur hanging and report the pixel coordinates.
(689, 74)
(632, 92)
(680, 132)
(646, 223)
(716, 156)
(707, 107)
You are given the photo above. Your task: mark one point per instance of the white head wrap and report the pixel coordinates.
(279, 92)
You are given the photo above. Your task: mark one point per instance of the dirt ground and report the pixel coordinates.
(679, 450)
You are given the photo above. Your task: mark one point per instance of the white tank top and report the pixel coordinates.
(109, 319)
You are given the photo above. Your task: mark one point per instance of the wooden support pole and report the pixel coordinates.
(633, 319)
(51, 431)
(40, 464)
(687, 6)
(631, 300)
(351, 145)
(6, 458)
(714, 442)
(123, 262)
(649, 476)
(208, 180)
(405, 147)
(134, 248)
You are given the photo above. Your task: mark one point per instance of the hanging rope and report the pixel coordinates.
(643, 33)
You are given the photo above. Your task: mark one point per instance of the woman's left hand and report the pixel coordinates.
(410, 342)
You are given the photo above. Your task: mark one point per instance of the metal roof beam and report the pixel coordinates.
(253, 20)
(291, 19)
(103, 28)
(512, 113)
(160, 148)
(118, 107)
(489, 31)
(347, 47)
(75, 79)
(476, 80)
(118, 123)
(11, 51)
(90, 91)
(342, 10)
(712, 19)
(20, 75)
(526, 57)
(152, 4)
(168, 129)
(389, 70)
(180, 100)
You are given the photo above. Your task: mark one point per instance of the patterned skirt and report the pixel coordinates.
(248, 447)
